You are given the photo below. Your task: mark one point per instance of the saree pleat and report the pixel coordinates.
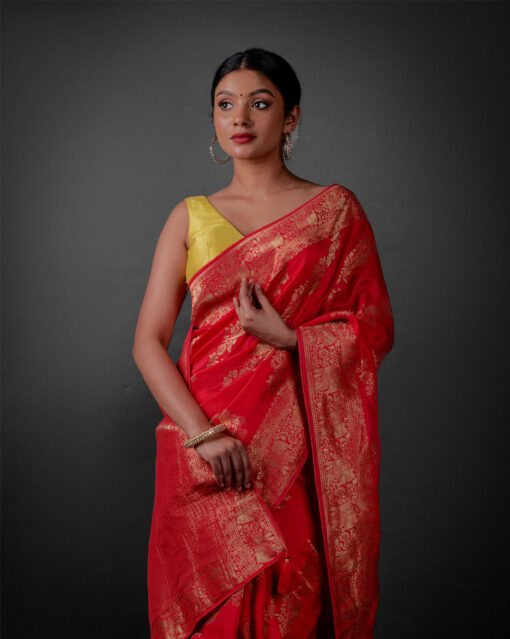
(269, 561)
(257, 610)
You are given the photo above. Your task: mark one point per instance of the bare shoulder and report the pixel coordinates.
(171, 252)
(175, 230)
(166, 287)
(303, 191)
(178, 217)
(219, 196)
(311, 185)
(311, 188)
(170, 256)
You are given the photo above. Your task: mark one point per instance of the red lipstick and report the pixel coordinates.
(242, 137)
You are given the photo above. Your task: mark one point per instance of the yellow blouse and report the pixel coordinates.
(209, 233)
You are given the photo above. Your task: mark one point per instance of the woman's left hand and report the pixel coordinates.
(265, 323)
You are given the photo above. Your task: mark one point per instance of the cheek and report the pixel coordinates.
(269, 122)
(220, 118)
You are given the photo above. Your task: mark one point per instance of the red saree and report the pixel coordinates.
(213, 553)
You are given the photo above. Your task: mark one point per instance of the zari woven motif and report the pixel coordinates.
(319, 267)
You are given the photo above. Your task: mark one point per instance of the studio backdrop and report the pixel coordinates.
(105, 128)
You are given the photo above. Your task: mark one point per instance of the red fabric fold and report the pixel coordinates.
(320, 269)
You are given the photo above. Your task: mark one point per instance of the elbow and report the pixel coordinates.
(134, 352)
(143, 348)
(137, 350)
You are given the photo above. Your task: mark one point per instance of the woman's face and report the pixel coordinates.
(246, 101)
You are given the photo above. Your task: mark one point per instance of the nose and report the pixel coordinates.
(241, 117)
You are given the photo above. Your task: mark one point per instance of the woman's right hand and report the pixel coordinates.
(228, 459)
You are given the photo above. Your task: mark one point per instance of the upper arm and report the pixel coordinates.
(166, 288)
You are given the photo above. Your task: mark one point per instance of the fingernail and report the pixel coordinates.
(257, 285)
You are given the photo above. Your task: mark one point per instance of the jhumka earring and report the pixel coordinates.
(211, 151)
(287, 146)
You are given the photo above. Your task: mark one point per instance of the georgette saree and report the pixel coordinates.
(248, 564)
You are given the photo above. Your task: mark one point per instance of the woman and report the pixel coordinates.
(267, 523)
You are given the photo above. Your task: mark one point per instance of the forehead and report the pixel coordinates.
(244, 82)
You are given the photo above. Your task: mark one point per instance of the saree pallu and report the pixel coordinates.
(319, 267)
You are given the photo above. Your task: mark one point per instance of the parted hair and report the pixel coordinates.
(270, 64)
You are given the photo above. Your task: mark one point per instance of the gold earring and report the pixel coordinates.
(287, 146)
(211, 151)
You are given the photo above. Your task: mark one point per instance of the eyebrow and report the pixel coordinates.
(249, 94)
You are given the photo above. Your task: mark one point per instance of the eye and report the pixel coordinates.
(261, 102)
(220, 104)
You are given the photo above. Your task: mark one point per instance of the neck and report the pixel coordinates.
(260, 178)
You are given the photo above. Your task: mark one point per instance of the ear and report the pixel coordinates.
(293, 116)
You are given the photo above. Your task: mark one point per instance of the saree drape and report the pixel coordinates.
(319, 267)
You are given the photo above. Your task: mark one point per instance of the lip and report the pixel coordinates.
(242, 137)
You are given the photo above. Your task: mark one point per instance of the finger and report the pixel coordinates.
(242, 289)
(248, 287)
(218, 472)
(261, 296)
(237, 300)
(259, 291)
(238, 469)
(227, 470)
(247, 468)
(243, 293)
(244, 301)
(254, 297)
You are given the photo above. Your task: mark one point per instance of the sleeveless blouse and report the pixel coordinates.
(209, 233)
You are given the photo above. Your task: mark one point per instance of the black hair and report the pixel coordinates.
(270, 64)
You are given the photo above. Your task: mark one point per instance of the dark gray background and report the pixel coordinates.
(105, 128)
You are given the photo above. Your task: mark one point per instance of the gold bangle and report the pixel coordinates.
(193, 441)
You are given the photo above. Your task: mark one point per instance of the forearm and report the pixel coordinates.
(168, 387)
